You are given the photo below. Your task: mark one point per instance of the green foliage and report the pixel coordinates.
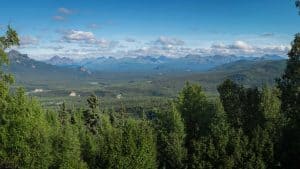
(24, 131)
(170, 139)
(92, 115)
(24, 138)
(211, 150)
(230, 95)
(65, 144)
(289, 85)
(206, 128)
(131, 145)
(193, 106)
(10, 39)
(259, 122)
(241, 105)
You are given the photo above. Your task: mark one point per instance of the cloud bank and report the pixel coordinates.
(80, 44)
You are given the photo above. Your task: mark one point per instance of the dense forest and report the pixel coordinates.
(243, 128)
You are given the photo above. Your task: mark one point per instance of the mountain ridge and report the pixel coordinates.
(189, 63)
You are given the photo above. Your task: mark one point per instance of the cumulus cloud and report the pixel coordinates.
(86, 44)
(168, 42)
(240, 45)
(236, 47)
(279, 50)
(75, 35)
(243, 48)
(87, 38)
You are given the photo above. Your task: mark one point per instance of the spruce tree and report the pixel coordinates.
(24, 132)
(231, 98)
(66, 150)
(92, 115)
(131, 145)
(289, 85)
(170, 139)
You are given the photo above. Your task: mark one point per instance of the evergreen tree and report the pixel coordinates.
(241, 105)
(289, 85)
(259, 123)
(270, 106)
(131, 145)
(212, 150)
(8, 40)
(66, 150)
(207, 130)
(231, 98)
(170, 140)
(252, 116)
(92, 115)
(193, 106)
(24, 138)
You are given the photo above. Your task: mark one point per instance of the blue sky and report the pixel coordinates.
(92, 28)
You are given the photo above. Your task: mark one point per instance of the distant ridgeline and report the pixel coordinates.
(151, 64)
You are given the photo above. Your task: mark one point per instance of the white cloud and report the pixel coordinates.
(241, 45)
(279, 50)
(81, 44)
(86, 38)
(243, 48)
(74, 35)
(108, 44)
(28, 40)
(65, 11)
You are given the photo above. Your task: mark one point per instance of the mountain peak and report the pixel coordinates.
(14, 54)
(13, 51)
(57, 60)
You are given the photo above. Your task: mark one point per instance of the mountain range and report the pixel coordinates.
(26, 69)
(146, 76)
(150, 64)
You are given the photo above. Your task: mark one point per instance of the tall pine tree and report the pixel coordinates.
(289, 85)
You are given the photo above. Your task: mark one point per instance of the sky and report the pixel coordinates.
(130, 28)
